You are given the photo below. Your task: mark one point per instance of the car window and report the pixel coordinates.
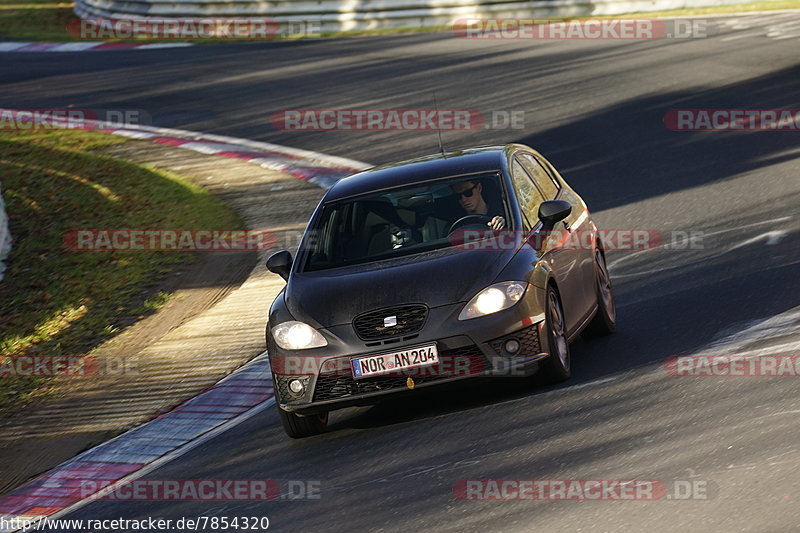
(540, 175)
(403, 220)
(528, 196)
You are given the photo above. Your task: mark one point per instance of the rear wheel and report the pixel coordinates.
(605, 320)
(298, 427)
(556, 367)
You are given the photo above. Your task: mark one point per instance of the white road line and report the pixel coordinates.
(724, 343)
(743, 36)
(790, 23)
(734, 338)
(730, 341)
(770, 237)
(755, 20)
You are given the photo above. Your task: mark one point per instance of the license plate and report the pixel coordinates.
(376, 365)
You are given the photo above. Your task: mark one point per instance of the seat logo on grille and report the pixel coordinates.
(390, 321)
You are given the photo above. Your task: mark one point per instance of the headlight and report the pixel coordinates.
(493, 299)
(295, 335)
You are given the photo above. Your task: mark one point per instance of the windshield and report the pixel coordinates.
(403, 221)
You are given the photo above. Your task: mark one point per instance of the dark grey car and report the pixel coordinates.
(431, 270)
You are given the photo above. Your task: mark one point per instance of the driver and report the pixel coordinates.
(470, 198)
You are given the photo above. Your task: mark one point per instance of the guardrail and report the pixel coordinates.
(5, 235)
(350, 15)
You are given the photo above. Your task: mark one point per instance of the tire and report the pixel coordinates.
(605, 320)
(556, 367)
(298, 427)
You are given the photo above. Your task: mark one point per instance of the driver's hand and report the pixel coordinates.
(497, 223)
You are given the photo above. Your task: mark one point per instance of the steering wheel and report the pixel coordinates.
(469, 220)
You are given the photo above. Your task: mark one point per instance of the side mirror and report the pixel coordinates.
(553, 211)
(280, 263)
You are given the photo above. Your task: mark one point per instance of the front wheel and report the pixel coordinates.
(298, 427)
(556, 367)
(605, 320)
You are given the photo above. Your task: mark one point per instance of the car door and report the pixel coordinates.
(579, 225)
(562, 260)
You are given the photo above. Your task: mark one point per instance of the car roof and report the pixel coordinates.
(469, 161)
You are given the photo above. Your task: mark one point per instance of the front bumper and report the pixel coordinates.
(477, 350)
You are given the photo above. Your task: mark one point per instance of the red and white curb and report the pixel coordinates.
(234, 399)
(133, 454)
(14, 46)
(320, 169)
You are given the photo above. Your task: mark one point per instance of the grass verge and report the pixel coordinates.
(35, 20)
(54, 301)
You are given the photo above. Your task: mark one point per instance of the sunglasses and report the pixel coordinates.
(467, 193)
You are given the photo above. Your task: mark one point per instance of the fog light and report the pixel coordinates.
(511, 346)
(296, 386)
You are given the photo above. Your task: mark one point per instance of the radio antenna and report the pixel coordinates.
(438, 130)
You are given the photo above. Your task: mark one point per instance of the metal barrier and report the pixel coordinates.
(351, 15)
(5, 235)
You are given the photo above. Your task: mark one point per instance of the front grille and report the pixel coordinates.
(410, 319)
(528, 339)
(458, 362)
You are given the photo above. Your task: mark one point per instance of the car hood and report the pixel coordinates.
(333, 297)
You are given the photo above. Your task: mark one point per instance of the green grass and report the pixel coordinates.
(55, 301)
(46, 20)
(35, 20)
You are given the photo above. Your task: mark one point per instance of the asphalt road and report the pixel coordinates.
(595, 109)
